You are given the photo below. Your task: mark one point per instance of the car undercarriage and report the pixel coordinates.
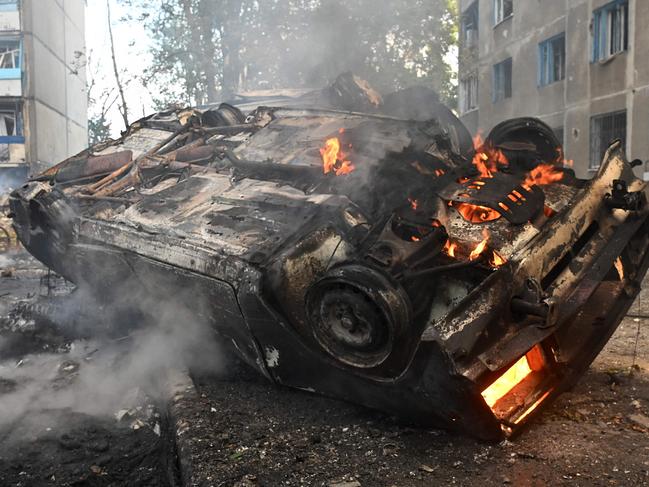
(360, 246)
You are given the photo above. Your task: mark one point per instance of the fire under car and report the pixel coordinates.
(361, 246)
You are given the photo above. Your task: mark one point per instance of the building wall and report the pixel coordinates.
(589, 89)
(52, 87)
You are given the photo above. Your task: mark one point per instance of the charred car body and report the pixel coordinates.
(361, 251)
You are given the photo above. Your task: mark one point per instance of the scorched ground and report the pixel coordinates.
(360, 246)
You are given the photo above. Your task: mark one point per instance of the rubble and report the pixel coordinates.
(456, 285)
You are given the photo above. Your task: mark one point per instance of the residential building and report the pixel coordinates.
(43, 101)
(582, 66)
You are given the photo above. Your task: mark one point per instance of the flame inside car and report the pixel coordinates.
(506, 382)
(543, 174)
(334, 159)
(476, 213)
(414, 284)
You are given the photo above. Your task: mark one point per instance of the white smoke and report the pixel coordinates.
(101, 375)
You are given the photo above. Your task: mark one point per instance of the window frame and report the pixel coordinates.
(15, 107)
(598, 146)
(495, 89)
(499, 8)
(602, 28)
(9, 5)
(472, 11)
(16, 72)
(473, 81)
(546, 57)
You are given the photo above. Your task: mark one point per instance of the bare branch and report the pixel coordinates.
(123, 109)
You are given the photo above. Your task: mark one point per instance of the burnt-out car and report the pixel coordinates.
(361, 247)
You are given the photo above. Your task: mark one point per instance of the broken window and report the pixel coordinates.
(11, 119)
(469, 93)
(610, 29)
(11, 128)
(502, 80)
(552, 60)
(470, 21)
(604, 129)
(503, 9)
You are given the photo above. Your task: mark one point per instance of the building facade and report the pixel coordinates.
(581, 66)
(43, 101)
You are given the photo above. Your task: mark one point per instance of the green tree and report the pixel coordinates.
(204, 50)
(98, 129)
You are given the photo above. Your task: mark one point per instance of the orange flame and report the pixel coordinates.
(496, 260)
(450, 248)
(506, 382)
(480, 248)
(562, 160)
(543, 174)
(413, 203)
(619, 267)
(487, 158)
(476, 213)
(548, 212)
(333, 158)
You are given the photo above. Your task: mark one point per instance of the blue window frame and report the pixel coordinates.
(11, 54)
(502, 80)
(552, 60)
(610, 30)
(8, 5)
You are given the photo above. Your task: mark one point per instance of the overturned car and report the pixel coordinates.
(362, 247)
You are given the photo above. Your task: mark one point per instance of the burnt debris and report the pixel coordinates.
(351, 249)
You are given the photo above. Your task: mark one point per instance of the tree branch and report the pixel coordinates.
(124, 109)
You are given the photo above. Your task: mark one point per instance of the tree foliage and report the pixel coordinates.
(204, 50)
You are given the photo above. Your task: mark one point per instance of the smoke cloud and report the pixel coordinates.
(115, 364)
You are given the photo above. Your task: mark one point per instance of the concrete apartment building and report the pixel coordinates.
(582, 66)
(43, 100)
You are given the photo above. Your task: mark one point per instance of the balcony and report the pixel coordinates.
(10, 67)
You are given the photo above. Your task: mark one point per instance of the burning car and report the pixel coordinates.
(361, 247)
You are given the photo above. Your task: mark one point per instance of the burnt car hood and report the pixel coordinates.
(410, 272)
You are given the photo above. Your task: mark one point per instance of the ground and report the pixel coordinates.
(234, 428)
(46, 438)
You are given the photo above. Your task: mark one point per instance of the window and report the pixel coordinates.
(470, 21)
(502, 10)
(502, 80)
(10, 59)
(11, 123)
(552, 60)
(604, 129)
(469, 93)
(610, 29)
(8, 5)
(11, 129)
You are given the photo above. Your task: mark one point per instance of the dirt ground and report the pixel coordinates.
(239, 430)
(48, 444)
(244, 431)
